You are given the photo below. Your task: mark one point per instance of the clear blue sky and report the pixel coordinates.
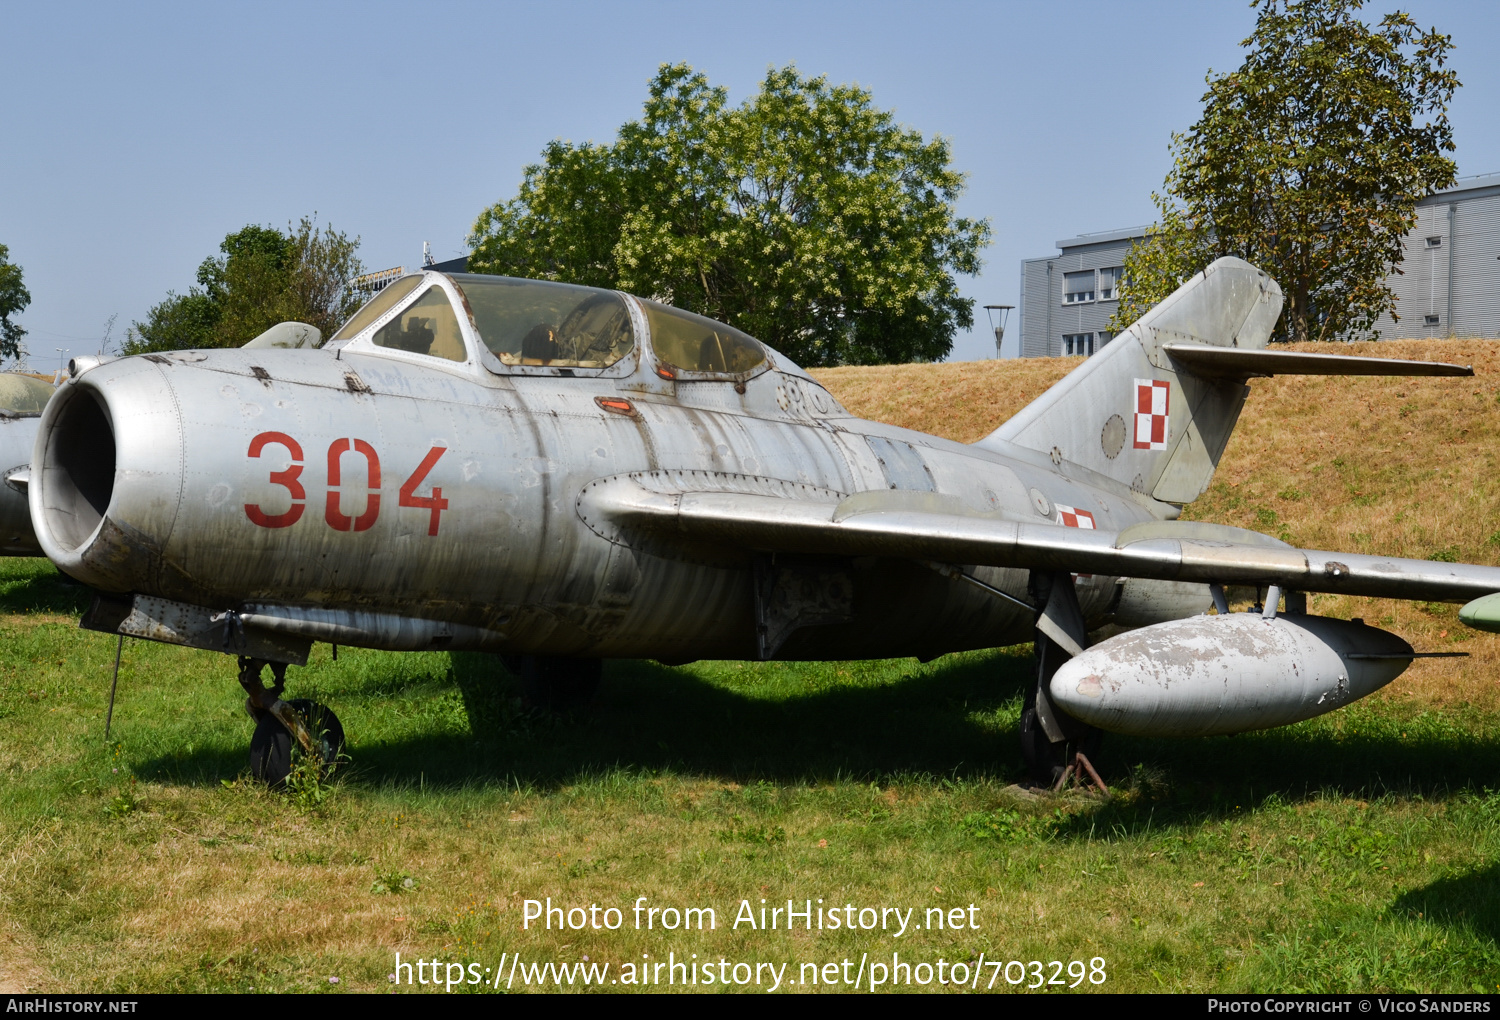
(135, 136)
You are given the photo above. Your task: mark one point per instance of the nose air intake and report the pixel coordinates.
(79, 464)
(106, 479)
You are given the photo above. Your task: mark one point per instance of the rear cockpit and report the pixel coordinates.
(532, 324)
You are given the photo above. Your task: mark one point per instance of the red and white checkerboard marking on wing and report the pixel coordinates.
(1072, 517)
(1152, 401)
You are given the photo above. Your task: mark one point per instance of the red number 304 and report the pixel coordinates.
(286, 479)
(336, 518)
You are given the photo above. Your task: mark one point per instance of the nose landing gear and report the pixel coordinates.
(314, 727)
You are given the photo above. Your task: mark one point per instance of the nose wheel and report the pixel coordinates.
(282, 725)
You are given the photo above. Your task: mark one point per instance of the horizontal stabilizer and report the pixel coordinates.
(1239, 363)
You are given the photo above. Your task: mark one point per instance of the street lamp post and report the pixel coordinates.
(1002, 312)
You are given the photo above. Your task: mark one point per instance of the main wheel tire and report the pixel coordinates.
(271, 745)
(556, 683)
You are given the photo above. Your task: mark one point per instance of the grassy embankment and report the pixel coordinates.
(1357, 851)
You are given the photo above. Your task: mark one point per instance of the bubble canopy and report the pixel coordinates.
(538, 323)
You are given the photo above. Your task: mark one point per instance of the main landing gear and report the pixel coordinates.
(1052, 763)
(1056, 747)
(278, 723)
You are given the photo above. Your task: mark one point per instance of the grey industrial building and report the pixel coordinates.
(1449, 283)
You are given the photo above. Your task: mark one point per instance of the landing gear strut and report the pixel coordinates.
(278, 723)
(1048, 761)
(1056, 746)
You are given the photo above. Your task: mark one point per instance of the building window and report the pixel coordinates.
(1430, 320)
(1078, 343)
(1078, 287)
(1434, 242)
(1109, 283)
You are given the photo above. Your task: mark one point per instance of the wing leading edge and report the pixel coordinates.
(931, 527)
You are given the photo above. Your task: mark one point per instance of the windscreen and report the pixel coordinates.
(695, 344)
(377, 306)
(532, 322)
(23, 394)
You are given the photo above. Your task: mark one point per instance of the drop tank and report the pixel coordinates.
(1226, 674)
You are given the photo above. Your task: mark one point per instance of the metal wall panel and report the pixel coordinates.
(1421, 285)
(1476, 268)
(1035, 308)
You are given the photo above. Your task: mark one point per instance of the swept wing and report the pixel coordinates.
(928, 526)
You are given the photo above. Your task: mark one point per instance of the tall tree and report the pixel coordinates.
(1308, 161)
(805, 216)
(261, 277)
(14, 297)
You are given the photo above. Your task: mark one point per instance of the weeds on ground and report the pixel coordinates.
(393, 881)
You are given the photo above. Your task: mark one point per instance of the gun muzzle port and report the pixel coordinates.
(80, 465)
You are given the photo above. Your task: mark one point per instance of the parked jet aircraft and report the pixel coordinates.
(566, 474)
(23, 396)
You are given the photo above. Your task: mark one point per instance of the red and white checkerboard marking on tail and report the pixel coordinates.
(1152, 401)
(1073, 517)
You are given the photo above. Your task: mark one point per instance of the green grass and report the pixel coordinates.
(1360, 851)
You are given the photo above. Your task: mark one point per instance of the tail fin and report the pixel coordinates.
(1136, 414)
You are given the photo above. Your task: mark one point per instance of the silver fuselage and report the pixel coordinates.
(229, 478)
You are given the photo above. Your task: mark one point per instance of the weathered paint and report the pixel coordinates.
(1226, 674)
(17, 437)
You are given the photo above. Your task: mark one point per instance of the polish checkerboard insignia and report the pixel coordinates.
(1152, 401)
(1072, 517)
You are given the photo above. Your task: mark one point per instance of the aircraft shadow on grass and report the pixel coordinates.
(49, 592)
(956, 721)
(1470, 901)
